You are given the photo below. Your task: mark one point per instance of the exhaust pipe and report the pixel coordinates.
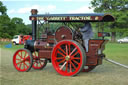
(34, 24)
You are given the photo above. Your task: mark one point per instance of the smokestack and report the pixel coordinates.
(34, 24)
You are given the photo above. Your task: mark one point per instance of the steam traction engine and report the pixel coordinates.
(64, 48)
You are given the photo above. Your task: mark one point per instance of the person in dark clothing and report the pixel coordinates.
(87, 34)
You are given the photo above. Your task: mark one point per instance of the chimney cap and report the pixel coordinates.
(34, 11)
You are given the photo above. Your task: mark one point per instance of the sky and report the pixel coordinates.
(22, 8)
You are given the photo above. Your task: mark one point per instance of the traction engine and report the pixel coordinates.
(64, 47)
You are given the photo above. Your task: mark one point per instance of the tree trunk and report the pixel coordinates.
(113, 37)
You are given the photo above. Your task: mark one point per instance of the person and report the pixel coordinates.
(87, 34)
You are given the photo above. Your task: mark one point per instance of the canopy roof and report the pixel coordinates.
(90, 17)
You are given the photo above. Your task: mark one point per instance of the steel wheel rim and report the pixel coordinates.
(69, 63)
(22, 60)
(38, 63)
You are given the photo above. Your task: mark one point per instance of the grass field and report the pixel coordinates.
(105, 74)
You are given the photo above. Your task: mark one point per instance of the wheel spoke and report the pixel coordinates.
(19, 55)
(20, 65)
(75, 58)
(75, 61)
(69, 48)
(25, 64)
(72, 51)
(73, 65)
(66, 67)
(66, 49)
(63, 66)
(61, 50)
(61, 53)
(36, 64)
(26, 59)
(75, 54)
(70, 67)
(25, 54)
(59, 58)
(35, 54)
(41, 64)
(18, 59)
(61, 61)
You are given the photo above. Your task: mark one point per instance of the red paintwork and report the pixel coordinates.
(38, 63)
(63, 33)
(93, 58)
(63, 47)
(59, 58)
(21, 60)
(92, 55)
(23, 38)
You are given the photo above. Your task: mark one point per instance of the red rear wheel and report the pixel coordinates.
(68, 58)
(88, 68)
(22, 60)
(38, 63)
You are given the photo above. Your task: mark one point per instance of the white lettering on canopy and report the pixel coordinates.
(73, 18)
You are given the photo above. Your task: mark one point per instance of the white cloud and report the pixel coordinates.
(12, 11)
(41, 9)
(83, 9)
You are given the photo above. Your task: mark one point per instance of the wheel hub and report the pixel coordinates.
(67, 57)
(22, 60)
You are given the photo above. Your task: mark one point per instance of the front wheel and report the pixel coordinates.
(22, 60)
(68, 58)
(14, 43)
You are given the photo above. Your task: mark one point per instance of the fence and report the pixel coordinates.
(5, 40)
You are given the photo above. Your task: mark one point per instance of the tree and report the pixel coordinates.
(3, 8)
(7, 29)
(118, 8)
(10, 27)
(21, 28)
(17, 20)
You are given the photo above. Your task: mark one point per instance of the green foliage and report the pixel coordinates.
(7, 29)
(10, 27)
(118, 8)
(17, 20)
(21, 28)
(3, 8)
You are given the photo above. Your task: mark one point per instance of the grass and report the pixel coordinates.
(105, 74)
(118, 52)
